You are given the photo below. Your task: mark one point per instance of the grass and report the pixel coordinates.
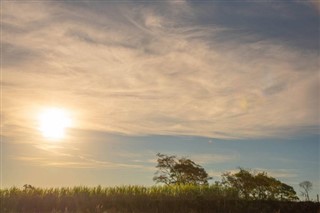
(139, 199)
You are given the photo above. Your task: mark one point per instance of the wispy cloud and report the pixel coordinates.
(213, 158)
(75, 162)
(279, 173)
(67, 156)
(276, 173)
(143, 72)
(315, 4)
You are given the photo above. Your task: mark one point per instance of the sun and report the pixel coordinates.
(53, 123)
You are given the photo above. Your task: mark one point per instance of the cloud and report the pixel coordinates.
(75, 154)
(13, 55)
(213, 158)
(276, 173)
(202, 159)
(315, 4)
(143, 72)
(280, 173)
(76, 162)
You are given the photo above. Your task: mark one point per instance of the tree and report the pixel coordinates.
(307, 187)
(28, 187)
(179, 171)
(258, 186)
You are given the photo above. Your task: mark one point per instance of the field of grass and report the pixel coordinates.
(140, 199)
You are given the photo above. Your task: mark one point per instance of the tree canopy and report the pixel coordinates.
(179, 171)
(258, 186)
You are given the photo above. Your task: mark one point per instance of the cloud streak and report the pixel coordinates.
(77, 162)
(277, 173)
(143, 72)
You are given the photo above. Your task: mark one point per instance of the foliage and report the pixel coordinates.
(258, 186)
(173, 198)
(179, 171)
(307, 187)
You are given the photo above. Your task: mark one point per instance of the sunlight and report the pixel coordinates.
(53, 122)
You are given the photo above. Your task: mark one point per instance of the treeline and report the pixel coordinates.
(183, 198)
(248, 185)
(184, 188)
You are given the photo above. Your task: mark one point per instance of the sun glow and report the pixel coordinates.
(53, 122)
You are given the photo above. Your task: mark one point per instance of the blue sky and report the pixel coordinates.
(226, 83)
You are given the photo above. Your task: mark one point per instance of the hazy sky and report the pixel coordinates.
(226, 83)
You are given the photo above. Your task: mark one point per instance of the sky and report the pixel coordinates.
(226, 83)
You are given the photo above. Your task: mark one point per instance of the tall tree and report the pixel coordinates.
(307, 187)
(179, 171)
(258, 186)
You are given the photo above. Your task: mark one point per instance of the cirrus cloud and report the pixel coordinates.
(132, 69)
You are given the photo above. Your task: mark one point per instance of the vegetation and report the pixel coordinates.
(182, 198)
(258, 186)
(179, 171)
(185, 188)
(307, 187)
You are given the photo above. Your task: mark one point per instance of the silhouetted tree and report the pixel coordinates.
(28, 187)
(258, 186)
(179, 171)
(307, 187)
